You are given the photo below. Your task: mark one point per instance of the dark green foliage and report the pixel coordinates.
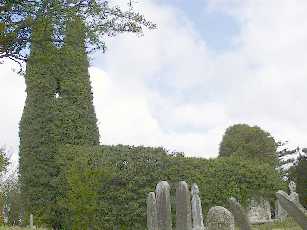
(126, 174)
(4, 162)
(76, 119)
(301, 179)
(118, 194)
(18, 17)
(247, 141)
(3, 169)
(58, 111)
(37, 127)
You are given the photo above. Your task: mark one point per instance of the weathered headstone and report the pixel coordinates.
(163, 206)
(294, 196)
(280, 212)
(183, 207)
(197, 213)
(152, 216)
(259, 211)
(219, 218)
(239, 214)
(31, 221)
(292, 209)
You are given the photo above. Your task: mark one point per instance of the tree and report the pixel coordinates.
(301, 179)
(12, 199)
(287, 160)
(4, 162)
(18, 17)
(244, 140)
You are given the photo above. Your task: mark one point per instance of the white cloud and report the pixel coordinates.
(12, 97)
(168, 88)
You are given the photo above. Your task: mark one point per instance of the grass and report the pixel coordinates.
(18, 228)
(288, 224)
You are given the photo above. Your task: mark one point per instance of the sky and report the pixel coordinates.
(209, 64)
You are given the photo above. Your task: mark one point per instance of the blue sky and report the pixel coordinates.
(216, 26)
(210, 64)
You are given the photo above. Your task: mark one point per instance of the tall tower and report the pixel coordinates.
(58, 110)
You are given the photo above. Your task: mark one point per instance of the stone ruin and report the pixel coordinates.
(259, 211)
(189, 211)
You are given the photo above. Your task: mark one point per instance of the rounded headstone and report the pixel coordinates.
(183, 207)
(197, 213)
(219, 218)
(152, 217)
(163, 206)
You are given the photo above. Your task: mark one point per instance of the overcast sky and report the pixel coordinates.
(210, 64)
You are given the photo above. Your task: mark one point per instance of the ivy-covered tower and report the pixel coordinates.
(58, 110)
(76, 121)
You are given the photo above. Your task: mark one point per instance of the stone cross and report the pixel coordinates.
(183, 207)
(197, 213)
(219, 218)
(152, 216)
(163, 206)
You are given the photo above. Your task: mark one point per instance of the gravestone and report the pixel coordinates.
(183, 207)
(152, 216)
(259, 211)
(31, 221)
(280, 212)
(197, 213)
(219, 218)
(240, 217)
(294, 196)
(163, 206)
(292, 209)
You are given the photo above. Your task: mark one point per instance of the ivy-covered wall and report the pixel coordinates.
(105, 187)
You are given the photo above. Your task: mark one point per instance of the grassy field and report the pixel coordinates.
(288, 224)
